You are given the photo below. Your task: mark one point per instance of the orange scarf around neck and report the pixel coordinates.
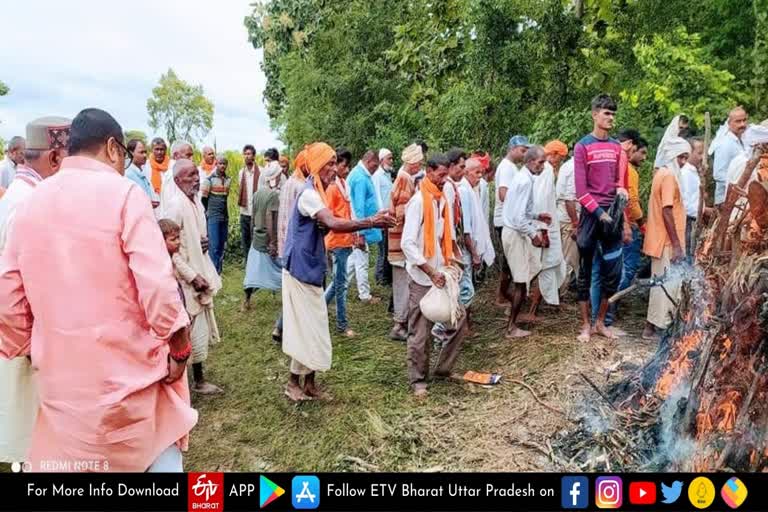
(157, 170)
(207, 169)
(429, 191)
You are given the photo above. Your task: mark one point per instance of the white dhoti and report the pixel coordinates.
(357, 266)
(18, 408)
(400, 280)
(199, 334)
(553, 269)
(660, 308)
(306, 338)
(524, 259)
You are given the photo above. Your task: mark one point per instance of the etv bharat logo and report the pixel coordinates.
(205, 491)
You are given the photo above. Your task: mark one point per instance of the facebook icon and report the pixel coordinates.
(574, 492)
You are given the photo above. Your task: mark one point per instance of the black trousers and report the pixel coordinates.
(593, 231)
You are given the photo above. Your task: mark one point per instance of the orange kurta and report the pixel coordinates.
(341, 208)
(97, 276)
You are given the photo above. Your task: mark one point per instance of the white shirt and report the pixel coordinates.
(482, 191)
(412, 241)
(382, 184)
(565, 189)
(689, 187)
(504, 174)
(248, 189)
(729, 148)
(518, 208)
(310, 203)
(18, 191)
(7, 171)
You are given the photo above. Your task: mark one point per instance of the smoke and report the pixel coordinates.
(674, 448)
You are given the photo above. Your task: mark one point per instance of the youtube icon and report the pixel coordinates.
(642, 493)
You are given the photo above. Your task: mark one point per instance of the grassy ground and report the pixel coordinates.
(373, 424)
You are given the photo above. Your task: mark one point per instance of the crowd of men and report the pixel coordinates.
(94, 349)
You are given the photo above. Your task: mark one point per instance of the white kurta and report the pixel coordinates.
(552, 262)
(18, 393)
(306, 338)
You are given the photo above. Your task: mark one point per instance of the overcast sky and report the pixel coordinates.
(58, 57)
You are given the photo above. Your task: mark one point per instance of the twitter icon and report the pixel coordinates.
(671, 493)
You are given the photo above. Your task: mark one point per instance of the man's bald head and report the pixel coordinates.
(473, 170)
(371, 161)
(209, 156)
(16, 148)
(737, 121)
(186, 177)
(181, 150)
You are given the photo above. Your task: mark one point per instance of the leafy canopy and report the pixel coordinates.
(179, 109)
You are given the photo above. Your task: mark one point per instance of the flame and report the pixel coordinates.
(679, 366)
(727, 344)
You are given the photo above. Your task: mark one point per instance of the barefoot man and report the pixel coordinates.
(521, 236)
(306, 337)
(600, 173)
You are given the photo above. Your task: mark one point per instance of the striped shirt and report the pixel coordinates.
(600, 167)
(216, 189)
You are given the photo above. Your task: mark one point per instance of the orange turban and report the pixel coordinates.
(317, 155)
(556, 147)
(299, 164)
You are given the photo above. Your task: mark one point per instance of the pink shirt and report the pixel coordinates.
(87, 288)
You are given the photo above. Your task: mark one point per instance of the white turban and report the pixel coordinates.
(272, 171)
(673, 130)
(675, 147)
(384, 153)
(755, 134)
(413, 154)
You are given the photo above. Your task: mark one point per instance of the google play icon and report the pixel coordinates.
(269, 491)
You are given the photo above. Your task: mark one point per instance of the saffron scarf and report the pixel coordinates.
(430, 192)
(319, 154)
(158, 168)
(299, 165)
(207, 169)
(242, 201)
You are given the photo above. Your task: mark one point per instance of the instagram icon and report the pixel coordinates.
(608, 492)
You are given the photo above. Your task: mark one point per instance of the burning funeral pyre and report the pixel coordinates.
(701, 402)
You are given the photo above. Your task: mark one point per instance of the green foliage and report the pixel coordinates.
(474, 72)
(181, 110)
(3, 89)
(136, 134)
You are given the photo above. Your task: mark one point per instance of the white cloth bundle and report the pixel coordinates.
(441, 305)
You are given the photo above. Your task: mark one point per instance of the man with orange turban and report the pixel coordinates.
(307, 338)
(428, 245)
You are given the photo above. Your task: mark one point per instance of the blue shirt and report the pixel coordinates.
(725, 153)
(362, 195)
(137, 176)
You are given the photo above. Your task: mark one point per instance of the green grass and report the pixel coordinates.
(373, 423)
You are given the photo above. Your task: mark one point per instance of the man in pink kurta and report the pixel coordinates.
(87, 290)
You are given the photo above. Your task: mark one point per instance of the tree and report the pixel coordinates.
(136, 134)
(474, 72)
(3, 89)
(180, 109)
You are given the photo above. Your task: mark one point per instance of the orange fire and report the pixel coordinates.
(679, 366)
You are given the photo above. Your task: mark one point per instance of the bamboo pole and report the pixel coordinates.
(703, 173)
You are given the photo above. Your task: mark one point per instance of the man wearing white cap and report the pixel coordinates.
(402, 192)
(665, 234)
(382, 183)
(47, 139)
